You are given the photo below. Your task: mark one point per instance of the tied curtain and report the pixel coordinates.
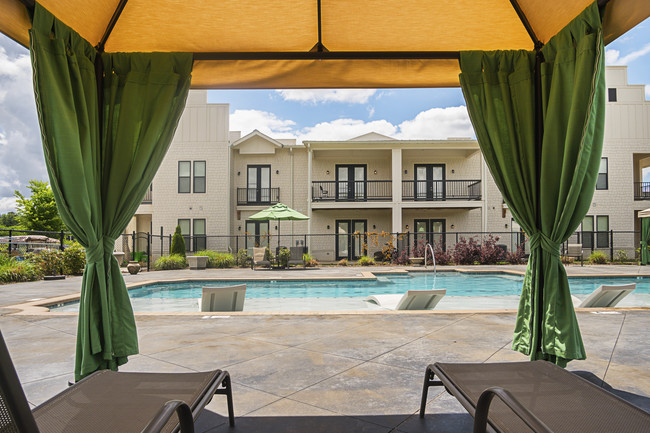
(548, 188)
(101, 160)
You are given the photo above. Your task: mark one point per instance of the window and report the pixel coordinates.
(199, 235)
(257, 235)
(601, 182)
(184, 224)
(199, 176)
(602, 231)
(611, 93)
(184, 175)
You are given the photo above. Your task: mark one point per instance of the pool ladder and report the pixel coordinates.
(428, 248)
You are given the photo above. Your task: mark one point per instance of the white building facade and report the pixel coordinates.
(358, 192)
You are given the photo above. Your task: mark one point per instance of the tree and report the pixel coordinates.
(10, 219)
(178, 243)
(39, 211)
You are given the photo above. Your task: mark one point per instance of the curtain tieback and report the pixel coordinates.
(95, 253)
(540, 240)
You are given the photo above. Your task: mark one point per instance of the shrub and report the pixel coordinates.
(50, 262)
(621, 256)
(243, 260)
(74, 259)
(283, 257)
(418, 248)
(516, 257)
(343, 262)
(442, 257)
(218, 260)
(466, 252)
(490, 253)
(172, 261)
(12, 271)
(178, 243)
(309, 261)
(598, 258)
(366, 261)
(401, 258)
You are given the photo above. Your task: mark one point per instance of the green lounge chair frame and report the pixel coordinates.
(533, 396)
(93, 402)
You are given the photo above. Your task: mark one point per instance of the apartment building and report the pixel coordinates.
(212, 180)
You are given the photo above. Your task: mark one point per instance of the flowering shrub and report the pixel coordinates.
(442, 257)
(401, 258)
(366, 261)
(343, 262)
(490, 253)
(516, 257)
(49, 261)
(466, 252)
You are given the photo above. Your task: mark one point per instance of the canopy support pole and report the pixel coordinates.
(319, 47)
(111, 25)
(539, 137)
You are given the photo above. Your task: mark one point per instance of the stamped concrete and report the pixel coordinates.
(313, 373)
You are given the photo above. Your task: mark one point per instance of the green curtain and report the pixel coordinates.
(645, 240)
(549, 204)
(100, 173)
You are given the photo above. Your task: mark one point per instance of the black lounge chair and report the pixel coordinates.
(533, 396)
(108, 401)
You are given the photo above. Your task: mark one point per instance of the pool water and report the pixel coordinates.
(463, 291)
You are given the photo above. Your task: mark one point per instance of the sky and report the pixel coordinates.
(301, 114)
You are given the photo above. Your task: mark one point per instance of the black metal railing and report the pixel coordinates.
(434, 190)
(147, 196)
(641, 190)
(356, 190)
(257, 196)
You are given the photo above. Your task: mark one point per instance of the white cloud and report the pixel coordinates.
(347, 96)
(613, 57)
(267, 123)
(7, 204)
(344, 129)
(437, 124)
(21, 154)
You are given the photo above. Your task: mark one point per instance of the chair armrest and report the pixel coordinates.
(483, 406)
(161, 418)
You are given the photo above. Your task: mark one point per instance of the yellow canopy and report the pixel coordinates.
(276, 43)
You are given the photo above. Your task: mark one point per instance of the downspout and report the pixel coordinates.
(309, 197)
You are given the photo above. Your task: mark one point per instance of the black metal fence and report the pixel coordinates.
(146, 247)
(433, 190)
(641, 190)
(355, 190)
(257, 196)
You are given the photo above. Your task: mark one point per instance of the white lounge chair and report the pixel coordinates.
(411, 300)
(604, 296)
(230, 298)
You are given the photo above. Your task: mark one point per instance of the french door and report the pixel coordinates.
(430, 231)
(259, 184)
(257, 235)
(351, 182)
(350, 239)
(429, 182)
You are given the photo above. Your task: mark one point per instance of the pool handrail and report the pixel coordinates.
(427, 248)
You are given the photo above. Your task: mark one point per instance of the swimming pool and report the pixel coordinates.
(464, 291)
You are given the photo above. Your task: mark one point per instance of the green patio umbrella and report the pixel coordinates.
(278, 212)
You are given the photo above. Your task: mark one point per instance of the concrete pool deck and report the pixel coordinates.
(338, 372)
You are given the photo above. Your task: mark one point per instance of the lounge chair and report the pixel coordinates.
(259, 257)
(533, 396)
(575, 250)
(295, 256)
(229, 298)
(604, 296)
(113, 402)
(411, 300)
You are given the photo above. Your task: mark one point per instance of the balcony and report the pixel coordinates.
(641, 190)
(355, 191)
(440, 190)
(257, 196)
(147, 196)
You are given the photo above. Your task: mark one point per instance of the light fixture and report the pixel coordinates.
(453, 226)
(328, 227)
(277, 171)
(375, 172)
(407, 226)
(406, 172)
(239, 228)
(276, 227)
(374, 226)
(453, 171)
(327, 172)
(239, 173)
(506, 225)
